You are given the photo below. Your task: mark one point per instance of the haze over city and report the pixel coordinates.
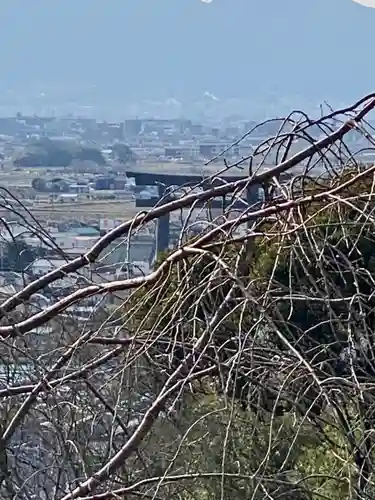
(110, 57)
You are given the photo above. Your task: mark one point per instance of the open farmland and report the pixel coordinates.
(88, 211)
(85, 211)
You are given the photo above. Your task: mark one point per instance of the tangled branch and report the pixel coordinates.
(240, 362)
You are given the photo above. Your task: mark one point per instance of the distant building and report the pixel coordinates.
(132, 128)
(79, 188)
(111, 130)
(196, 129)
(208, 151)
(180, 152)
(67, 197)
(111, 183)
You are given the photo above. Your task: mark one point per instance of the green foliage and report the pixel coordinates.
(90, 154)
(17, 255)
(123, 153)
(308, 277)
(282, 457)
(52, 186)
(50, 153)
(326, 466)
(39, 184)
(309, 290)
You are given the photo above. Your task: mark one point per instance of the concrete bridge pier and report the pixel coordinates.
(163, 224)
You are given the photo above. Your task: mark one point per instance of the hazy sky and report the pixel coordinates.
(160, 48)
(366, 3)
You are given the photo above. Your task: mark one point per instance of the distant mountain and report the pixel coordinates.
(119, 51)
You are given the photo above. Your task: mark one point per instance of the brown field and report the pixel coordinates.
(88, 211)
(19, 182)
(95, 209)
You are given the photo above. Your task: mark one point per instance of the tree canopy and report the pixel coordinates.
(56, 153)
(299, 291)
(123, 153)
(241, 366)
(17, 255)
